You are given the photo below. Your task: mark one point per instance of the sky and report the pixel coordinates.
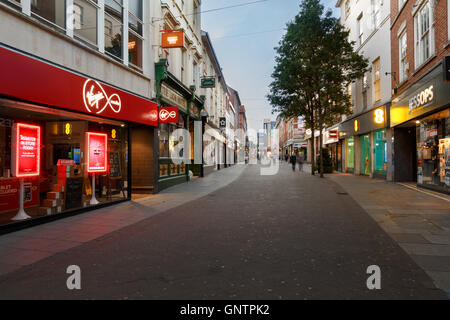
(248, 60)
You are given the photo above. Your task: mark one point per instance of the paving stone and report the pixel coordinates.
(409, 238)
(427, 249)
(432, 263)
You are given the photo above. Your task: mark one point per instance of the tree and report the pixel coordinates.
(315, 63)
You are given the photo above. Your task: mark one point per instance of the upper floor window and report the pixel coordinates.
(50, 11)
(423, 21)
(403, 59)
(359, 29)
(376, 79)
(135, 33)
(195, 74)
(114, 28)
(13, 3)
(347, 8)
(85, 20)
(183, 65)
(376, 13)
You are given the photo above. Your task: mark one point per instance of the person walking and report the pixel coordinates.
(300, 161)
(293, 160)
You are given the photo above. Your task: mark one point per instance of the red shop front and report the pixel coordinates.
(65, 139)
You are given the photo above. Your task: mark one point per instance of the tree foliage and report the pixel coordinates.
(315, 63)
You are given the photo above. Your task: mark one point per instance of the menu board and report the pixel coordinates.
(74, 193)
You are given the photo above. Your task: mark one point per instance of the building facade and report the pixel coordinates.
(72, 71)
(364, 143)
(420, 114)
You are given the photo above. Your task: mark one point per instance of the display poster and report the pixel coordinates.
(97, 156)
(26, 150)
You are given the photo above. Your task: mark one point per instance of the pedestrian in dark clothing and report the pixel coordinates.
(300, 162)
(293, 161)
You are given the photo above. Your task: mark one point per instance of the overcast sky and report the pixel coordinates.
(248, 60)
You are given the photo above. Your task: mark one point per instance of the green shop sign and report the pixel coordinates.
(208, 82)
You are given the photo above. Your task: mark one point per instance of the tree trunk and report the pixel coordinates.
(321, 152)
(313, 153)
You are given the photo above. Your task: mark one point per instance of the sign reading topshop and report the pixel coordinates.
(97, 152)
(33, 80)
(168, 115)
(26, 151)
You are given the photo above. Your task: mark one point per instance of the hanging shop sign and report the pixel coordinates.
(33, 80)
(208, 82)
(172, 39)
(222, 122)
(26, 151)
(168, 115)
(97, 155)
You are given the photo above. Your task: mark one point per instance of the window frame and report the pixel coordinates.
(376, 70)
(402, 59)
(421, 35)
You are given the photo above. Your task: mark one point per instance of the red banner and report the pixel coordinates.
(9, 194)
(26, 150)
(168, 115)
(29, 79)
(97, 152)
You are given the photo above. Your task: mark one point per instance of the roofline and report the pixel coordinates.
(207, 39)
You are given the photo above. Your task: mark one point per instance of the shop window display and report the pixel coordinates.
(63, 182)
(433, 151)
(380, 165)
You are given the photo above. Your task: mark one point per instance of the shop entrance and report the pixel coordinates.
(365, 154)
(405, 158)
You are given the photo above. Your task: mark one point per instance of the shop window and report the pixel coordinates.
(376, 79)
(135, 27)
(423, 31)
(347, 8)
(85, 20)
(433, 151)
(50, 11)
(380, 148)
(350, 154)
(114, 28)
(64, 182)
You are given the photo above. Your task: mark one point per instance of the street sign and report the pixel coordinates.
(208, 82)
(223, 122)
(446, 64)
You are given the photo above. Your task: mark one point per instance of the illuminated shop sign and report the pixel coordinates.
(379, 116)
(172, 39)
(26, 151)
(97, 155)
(168, 115)
(96, 100)
(422, 99)
(28, 79)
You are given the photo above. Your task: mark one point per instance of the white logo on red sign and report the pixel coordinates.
(96, 100)
(165, 115)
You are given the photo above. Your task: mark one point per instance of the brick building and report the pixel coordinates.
(420, 116)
